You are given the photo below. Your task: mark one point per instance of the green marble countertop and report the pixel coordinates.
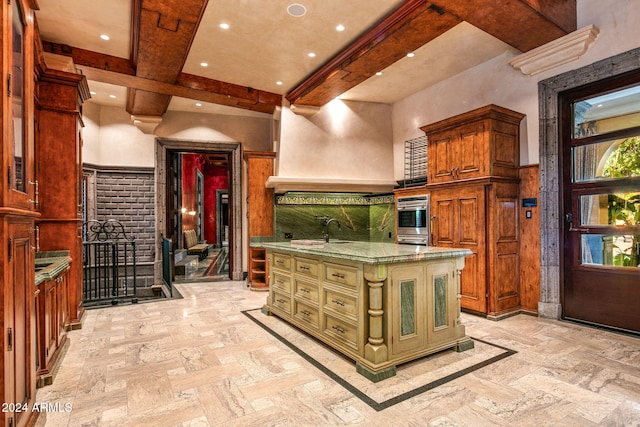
(364, 252)
(50, 264)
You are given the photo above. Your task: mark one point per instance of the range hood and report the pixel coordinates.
(282, 184)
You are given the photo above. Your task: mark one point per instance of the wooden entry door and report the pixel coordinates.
(601, 205)
(459, 221)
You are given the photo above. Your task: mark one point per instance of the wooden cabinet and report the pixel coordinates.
(59, 99)
(53, 317)
(481, 143)
(17, 215)
(459, 221)
(259, 214)
(473, 182)
(18, 341)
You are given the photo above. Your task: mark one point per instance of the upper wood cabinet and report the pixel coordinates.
(480, 143)
(18, 182)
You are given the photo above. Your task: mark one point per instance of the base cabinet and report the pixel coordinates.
(52, 323)
(18, 321)
(379, 315)
(483, 218)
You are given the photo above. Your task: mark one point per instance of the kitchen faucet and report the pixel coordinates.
(327, 220)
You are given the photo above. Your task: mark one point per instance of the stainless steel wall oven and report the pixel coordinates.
(413, 220)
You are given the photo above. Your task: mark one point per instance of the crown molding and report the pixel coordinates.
(558, 52)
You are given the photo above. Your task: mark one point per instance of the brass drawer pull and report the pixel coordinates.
(280, 262)
(304, 267)
(338, 276)
(339, 329)
(306, 313)
(338, 302)
(305, 290)
(280, 282)
(281, 301)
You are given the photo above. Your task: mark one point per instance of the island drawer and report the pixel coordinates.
(282, 261)
(307, 314)
(282, 302)
(307, 266)
(305, 290)
(282, 283)
(341, 303)
(341, 274)
(342, 331)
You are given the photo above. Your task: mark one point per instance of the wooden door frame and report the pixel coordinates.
(233, 150)
(549, 90)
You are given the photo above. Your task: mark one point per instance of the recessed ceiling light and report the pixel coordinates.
(279, 83)
(340, 27)
(311, 54)
(296, 10)
(112, 96)
(204, 64)
(224, 26)
(198, 104)
(410, 54)
(104, 37)
(92, 93)
(379, 73)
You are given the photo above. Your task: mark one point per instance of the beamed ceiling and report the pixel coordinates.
(156, 48)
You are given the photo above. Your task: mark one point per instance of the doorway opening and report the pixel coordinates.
(199, 204)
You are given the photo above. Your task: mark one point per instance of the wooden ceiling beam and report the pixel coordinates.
(91, 59)
(523, 24)
(413, 24)
(120, 72)
(193, 87)
(164, 31)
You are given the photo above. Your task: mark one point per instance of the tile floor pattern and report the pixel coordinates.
(199, 361)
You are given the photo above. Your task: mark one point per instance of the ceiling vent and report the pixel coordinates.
(296, 10)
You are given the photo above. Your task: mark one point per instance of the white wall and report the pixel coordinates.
(111, 139)
(345, 139)
(496, 82)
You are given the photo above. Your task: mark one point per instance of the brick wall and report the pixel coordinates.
(128, 196)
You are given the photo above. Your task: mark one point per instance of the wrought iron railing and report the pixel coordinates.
(167, 270)
(109, 264)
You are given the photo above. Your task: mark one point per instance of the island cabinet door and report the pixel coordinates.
(407, 309)
(442, 302)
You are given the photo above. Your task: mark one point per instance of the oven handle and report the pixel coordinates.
(432, 227)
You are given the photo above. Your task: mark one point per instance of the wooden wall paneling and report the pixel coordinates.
(529, 240)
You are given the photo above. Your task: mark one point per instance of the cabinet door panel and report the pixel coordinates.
(471, 148)
(469, 221)
(19, 362)
(460, 222)
(408, 309)
(443, 211)
(440, 157)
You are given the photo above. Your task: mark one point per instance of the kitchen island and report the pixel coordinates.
(380, 304)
